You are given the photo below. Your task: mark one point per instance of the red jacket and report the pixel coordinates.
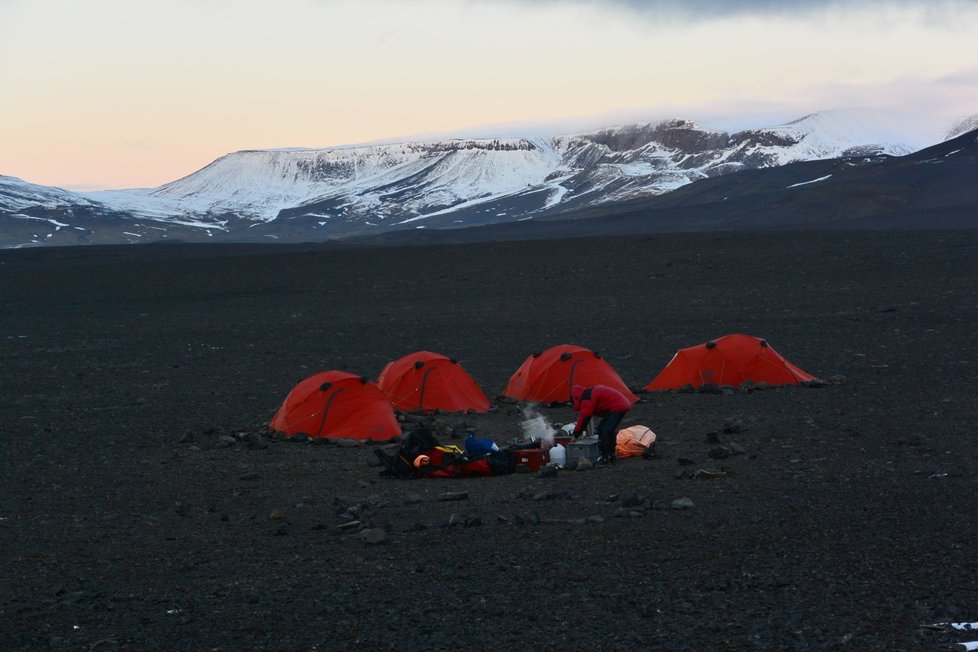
(603, 401)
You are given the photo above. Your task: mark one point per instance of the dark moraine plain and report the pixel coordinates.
(128, 519)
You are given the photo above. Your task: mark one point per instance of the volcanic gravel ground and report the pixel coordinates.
(143, 507)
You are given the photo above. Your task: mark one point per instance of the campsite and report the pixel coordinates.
(147, 506)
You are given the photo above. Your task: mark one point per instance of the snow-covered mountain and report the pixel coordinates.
(323, 193)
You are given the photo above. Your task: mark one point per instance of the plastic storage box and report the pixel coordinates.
(531, 458)
(583, 447)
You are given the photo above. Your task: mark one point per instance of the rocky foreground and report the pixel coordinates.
(145, 505)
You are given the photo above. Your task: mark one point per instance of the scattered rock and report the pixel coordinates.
(250, 476)
(710, 388)
(683, 503)
(350, 526)
(708, 474)
(719, 452)
(276, 515)
(624, 512)
(734, 425)
(226, 441)
(713, 437)
(412, 499)
(456, 520)
(373, 536)
(550, 495)
(549, 471)
(281, 530)
(583, 464)
(632, 500)
(254, 441)
(528, 518)
(348, 443)
(453, 495)
(736, 449)
(595, 519)
(186, 437)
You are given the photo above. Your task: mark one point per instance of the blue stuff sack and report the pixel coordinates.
(476, 448)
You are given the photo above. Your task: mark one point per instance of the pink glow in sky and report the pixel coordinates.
(129, 93)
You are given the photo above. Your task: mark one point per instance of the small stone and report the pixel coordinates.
(632, 500)
(719, 453)
(682, 503)
(838, 379)
(713, 437)
(413, 499)
(254, 441)
(373, 536)
(186, 437)
(250, 476)
(456, 520)
(281, 530)
(549, 471)
(583, 464)
(624, 512)
(453, 496)
(708, 474)
(595, 519)
(276, 515)
(473, 520)
(351, 526)
(736, 449)
(226, 441)
(348, 443)
(734, 425)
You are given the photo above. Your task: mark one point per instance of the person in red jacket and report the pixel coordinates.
(607, 403)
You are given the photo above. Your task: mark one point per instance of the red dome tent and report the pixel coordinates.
(337, 404)
(729, 360)
(548, 377)
(426, 381)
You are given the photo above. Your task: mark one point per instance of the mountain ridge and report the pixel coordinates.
(354, 190)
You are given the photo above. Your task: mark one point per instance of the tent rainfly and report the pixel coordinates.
(337, 404)
(547, 377)
(426, 382)
(729, 360)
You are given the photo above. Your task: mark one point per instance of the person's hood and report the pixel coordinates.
(576, 392)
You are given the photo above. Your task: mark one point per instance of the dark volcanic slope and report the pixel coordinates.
(848, 523)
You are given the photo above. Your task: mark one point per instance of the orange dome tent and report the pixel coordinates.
(548, 377)
(337, 404)
(729, 360)
(426, 381)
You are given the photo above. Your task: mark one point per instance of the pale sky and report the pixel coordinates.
(132, 93)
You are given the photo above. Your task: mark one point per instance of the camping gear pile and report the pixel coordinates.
(419, 455)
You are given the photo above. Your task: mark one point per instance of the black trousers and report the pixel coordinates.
(608, 432)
